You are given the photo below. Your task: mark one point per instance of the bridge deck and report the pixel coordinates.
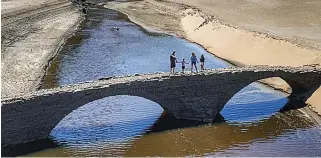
(105, 82)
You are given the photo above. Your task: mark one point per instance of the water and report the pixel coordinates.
(251, 123)
(100, 51)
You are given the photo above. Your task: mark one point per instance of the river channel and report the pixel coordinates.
(251, 124)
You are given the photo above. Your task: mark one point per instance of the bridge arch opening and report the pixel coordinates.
(113, 120)
(256, 101)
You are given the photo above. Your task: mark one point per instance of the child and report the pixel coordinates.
(183, 64)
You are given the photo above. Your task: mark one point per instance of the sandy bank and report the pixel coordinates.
(31, 33)
(243, 46)
(297, 21)
(240, 45)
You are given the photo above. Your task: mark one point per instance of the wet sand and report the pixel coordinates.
(251, 33)
(31, 33)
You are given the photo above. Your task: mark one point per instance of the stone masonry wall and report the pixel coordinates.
(186, 96)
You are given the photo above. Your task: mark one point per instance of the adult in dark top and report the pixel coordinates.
(202, 60)
(173, 62)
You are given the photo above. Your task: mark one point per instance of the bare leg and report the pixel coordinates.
(172, 70)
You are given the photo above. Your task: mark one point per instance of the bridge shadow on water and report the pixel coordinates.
(29, 147)
(169, 122)
(265, 127)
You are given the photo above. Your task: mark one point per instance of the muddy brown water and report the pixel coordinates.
(251, 124)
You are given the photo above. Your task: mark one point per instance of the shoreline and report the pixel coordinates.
(191, 35)
(61, 42)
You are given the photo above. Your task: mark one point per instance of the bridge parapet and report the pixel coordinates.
(263, 71)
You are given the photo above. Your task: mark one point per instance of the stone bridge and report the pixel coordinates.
(186, 96)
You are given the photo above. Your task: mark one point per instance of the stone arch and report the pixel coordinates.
(298, 82)
(116, 108)
(93, 95)
(39, 115)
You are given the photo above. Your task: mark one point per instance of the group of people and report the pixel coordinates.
(193, 60)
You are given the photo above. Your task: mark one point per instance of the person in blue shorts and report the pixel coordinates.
(193, 60)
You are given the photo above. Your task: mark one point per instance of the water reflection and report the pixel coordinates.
(143, 129)
(198, 141)
(111, 119)
(253, 103)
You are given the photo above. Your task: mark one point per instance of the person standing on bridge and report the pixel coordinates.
(183, 64)
(173, 61)
(202, 60)
(193, 60)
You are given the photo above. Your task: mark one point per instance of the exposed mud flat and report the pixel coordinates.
(31, 33)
